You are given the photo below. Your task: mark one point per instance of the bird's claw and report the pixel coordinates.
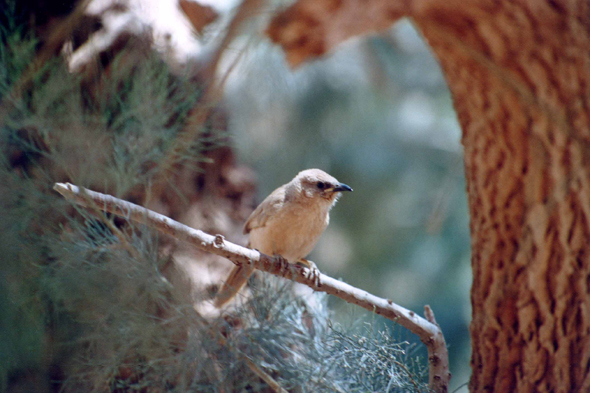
(284, 266)
(312, 273)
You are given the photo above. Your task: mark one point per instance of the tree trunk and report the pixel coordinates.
(519, 74)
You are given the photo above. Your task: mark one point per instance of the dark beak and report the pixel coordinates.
(342, 187)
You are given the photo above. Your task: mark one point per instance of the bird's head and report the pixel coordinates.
(317, 184)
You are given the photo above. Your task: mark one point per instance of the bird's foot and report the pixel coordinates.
(313, 273)
(284, 265)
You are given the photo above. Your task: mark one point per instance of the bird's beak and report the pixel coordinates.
(342, 187)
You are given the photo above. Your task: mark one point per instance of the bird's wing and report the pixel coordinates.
(265, 210)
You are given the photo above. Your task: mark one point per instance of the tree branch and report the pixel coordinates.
(427, 330)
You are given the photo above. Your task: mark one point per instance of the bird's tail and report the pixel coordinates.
(235, 281)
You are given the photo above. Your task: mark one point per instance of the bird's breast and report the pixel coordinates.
(292, 232)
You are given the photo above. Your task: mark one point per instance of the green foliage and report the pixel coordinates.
(108, 133)
(83, 308)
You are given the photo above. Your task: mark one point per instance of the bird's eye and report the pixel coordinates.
(321, 185)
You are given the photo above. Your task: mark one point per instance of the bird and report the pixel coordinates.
(289, 223)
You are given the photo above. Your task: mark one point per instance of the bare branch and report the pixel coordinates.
(310, 28)
(427, 330)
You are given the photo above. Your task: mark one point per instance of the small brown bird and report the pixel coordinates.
(289, 222)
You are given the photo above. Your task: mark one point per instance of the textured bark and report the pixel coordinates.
(519, 74)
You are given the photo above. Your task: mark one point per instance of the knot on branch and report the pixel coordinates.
(218, 242)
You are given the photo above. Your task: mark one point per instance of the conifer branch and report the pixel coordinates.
(426, 329)
(57, 36)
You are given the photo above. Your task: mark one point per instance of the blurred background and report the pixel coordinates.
(378, 116)
(375, 113)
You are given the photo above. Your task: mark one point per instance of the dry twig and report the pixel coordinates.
(426, 329)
